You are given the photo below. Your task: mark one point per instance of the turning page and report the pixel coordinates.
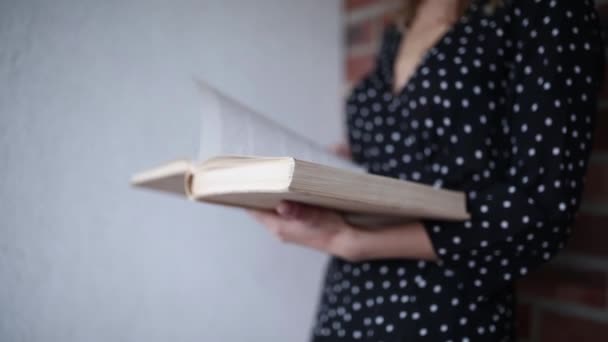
(230, 128)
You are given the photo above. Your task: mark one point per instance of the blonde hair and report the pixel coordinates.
(408, 9)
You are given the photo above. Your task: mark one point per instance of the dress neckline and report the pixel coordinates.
(443, 38)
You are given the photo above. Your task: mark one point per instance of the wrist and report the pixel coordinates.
(345, 243)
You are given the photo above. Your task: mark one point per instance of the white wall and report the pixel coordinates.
(91, 91)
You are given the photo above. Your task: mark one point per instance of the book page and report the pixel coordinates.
(230, 128)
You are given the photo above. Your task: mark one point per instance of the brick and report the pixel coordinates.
(566, 285)
(603, 13)
(590, 235)
(358, 66)
(389, 18)
(596, 186)
(604, 87)
(561, 328)
(522, 324)
(350, 5)
(600, 139)
(361, 33)
(602, 10)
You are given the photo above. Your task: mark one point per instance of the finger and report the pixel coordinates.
(252, 211)
(302, 212)
(257, 213)
(293, 210)
(309, 213)
(270, 223)
(341, 150)
(268, 219)
(286, 209)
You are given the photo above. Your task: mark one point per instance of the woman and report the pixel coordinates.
(494, 98)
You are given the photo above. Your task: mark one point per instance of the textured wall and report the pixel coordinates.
(91, 91)
(566, 300)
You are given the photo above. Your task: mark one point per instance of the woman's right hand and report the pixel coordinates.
(342, 150)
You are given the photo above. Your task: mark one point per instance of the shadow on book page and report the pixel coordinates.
(230, 128)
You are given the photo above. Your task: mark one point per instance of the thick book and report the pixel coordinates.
(262, 182)
(230, 171)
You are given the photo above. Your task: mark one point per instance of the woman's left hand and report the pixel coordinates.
(308, 226)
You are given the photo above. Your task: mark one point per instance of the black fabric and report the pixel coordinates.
(502, 107)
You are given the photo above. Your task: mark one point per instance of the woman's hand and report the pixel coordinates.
(342, 150)
(326, 231)
(308, 226)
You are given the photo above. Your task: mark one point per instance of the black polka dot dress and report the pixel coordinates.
(502, 107)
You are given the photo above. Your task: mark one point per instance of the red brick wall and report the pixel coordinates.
(567, 300)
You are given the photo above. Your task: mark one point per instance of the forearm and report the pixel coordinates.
(326, 231)
(407, 241)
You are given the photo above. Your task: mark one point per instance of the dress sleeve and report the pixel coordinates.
(524, 220)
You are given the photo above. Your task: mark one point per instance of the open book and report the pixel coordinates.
(232, 172)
